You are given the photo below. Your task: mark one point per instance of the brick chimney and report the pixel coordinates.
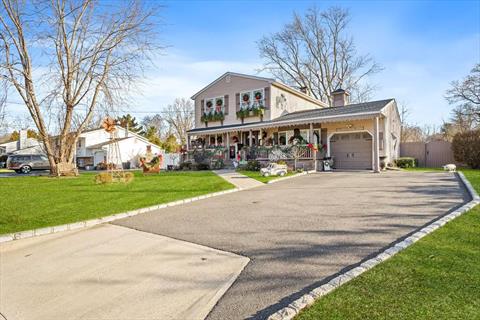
(340, 98)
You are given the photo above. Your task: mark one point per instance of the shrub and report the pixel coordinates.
(128, 177)
(103, 178)
(406, 162)
(253, 165)
(218, 164)
(187, 165)
(466, 148)
(281, 162)
(202, 166)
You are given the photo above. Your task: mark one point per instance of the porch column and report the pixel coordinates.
(310, 134)
(188, 142)
(250, 138)
(228, 142)
(260, 138)
(376, 152)
(207, 144)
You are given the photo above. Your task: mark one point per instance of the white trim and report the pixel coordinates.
(351, 131)
(228, 73)
(293, 122)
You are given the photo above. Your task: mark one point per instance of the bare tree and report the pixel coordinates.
(96, 54)
(315, 52)
(3, 107)
(180, 116)
(465, 95)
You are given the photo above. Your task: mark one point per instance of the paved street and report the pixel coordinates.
(301, 231)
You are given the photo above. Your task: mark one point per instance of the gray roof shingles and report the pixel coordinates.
(351, 109)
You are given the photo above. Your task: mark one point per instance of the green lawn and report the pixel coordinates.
(257, 176)
(6, 171)
(436, 278)
(34, 202)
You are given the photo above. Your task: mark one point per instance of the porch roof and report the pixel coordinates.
(350, 112)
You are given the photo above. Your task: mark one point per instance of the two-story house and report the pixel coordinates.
(238, 110)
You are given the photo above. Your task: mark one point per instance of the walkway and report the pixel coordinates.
(239, 180)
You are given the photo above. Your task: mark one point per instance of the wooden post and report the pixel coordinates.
(250, 138)
(310, 134)
(228, 144)
(376, 151)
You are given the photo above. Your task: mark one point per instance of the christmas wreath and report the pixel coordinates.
(246, 97)
(209, 104)
(258, 95)
(219, 102)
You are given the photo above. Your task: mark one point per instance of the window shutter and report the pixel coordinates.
(237, 101)
(202, 107)
(267, 98)
(225, 103)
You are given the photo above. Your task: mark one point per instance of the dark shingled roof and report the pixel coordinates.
(348, 110)
(351, 109)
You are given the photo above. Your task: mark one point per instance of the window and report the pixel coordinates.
(245, 100)
(380, 140)
(213, 105)
(305, 135)
(252, 99)
(282, 138)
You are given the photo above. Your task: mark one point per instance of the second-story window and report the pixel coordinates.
(214, 110)
(252, 99)
(215, 105)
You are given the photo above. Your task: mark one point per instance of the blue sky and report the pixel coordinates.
(421, 45)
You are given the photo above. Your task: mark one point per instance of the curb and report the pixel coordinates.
(289, 177)
(294, 308)
(88, 223)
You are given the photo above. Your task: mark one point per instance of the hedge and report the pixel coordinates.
(466, 148)
(406, 162)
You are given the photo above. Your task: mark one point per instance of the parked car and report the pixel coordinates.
(274, 169)
(24, 163)
(3, 161)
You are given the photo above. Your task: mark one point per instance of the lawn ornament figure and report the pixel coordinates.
(274, 169)
(113, 163)
(151, 163)
(450, 167)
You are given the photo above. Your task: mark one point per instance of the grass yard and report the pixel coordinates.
(258, 176)
(34, 202)
(6, 171)
(436, 278)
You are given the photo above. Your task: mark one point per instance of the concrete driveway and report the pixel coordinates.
(111, 272)
(299, 232)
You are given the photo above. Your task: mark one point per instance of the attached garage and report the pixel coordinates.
(351, 150)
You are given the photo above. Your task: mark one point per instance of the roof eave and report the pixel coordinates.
(270, 80)
(359, 116)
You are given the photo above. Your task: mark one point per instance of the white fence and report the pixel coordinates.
(170, 159)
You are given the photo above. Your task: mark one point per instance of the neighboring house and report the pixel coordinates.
(94, 145)
(23, 145)
(238, 110)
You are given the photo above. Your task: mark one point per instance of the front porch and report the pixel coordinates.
(313, 142)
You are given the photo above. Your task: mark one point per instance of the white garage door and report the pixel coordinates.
(351, 150)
